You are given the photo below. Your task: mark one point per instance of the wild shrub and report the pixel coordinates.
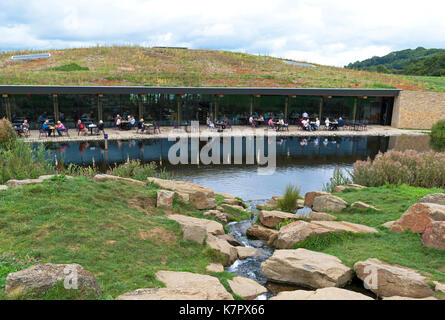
(289, 201)
(135, 169)
(7, 133)
(19, 161)
(417, 169)
(339, 178)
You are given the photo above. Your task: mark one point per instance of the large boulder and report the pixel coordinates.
(218, 215)
(331, 293)
(215, 267)
(272, 218)
(306, 268)
(320, 216)
(245, 287)
(164, 198)
(259, 232)
(42, 277)
(439, 286)
(329, 203)
(247, 252)
(230, 239)
(196, 229)
(434, 235)
(208, 285)
(349, 185)
(418, 216)
(228, 251)
(227, 207)
(389, 280)
(235, 202)
(299, 230)
(309, 197)
(437, 198)
(201, 197)
(165, 294)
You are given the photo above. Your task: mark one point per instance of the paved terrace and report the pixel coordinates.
(114, 134)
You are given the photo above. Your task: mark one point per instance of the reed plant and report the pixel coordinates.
(289, 201)
(417, 169)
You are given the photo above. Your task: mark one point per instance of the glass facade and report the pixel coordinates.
(168, 109)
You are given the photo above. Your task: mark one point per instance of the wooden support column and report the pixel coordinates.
(286, 107)
(215, 109)
(56, 108)
(100, 112)
(251, 104)
(140, 106)
(320, 109)
(178, 108)
(354, 111)
(7, 107)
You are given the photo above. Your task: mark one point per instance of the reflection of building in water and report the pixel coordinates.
(329, 150)
(404, 142)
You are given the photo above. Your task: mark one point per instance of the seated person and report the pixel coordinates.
(341, 122)
(100, 127)
(60, 128)
(25, 127)
(315, 125)
(211, 125)
(327, 123)
(46, 127)
(81, 127)
(251, 121)
(271, 124)
(132, 121)
(141, 125)
(118, 121)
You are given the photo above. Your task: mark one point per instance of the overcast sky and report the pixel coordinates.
(319, 31)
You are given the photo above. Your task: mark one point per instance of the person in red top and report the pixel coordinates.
(81, 127)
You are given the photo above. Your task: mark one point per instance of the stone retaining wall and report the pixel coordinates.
(418, 109)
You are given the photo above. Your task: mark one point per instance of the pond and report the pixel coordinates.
(305, 161)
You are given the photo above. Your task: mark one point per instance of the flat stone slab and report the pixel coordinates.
(228, 251)
(208, 285)
(164, 294)
(362, 205)
(306, 268)
(246, 252)
(388, 280)
(109, 177)
(3, 187)
(437, 198)
(329, 203)
(215, 267)
(350, 185)
(300, 230)
(272, 218)
(332, 293)
(257, 231)
(245, 287)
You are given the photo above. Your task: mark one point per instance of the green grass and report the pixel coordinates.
(112, 229)
(405, 249)
(123, 65)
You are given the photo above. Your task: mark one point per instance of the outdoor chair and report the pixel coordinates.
(42, 132)
(157, 128)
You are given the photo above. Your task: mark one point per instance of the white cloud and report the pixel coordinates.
(319, 31)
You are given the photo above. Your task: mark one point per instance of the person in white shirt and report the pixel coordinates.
(326, 122)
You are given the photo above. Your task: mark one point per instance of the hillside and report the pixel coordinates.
(419, 61)
(181, 67)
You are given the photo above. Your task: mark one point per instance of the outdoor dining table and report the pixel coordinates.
(91, 127)
(148, 126)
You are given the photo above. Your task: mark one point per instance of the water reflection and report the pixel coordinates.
(305, 161)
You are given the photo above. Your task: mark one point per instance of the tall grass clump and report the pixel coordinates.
(7, 133)
(135, 169)
(417, 169)
(339, 178)
(17, 159)
(289, 201)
